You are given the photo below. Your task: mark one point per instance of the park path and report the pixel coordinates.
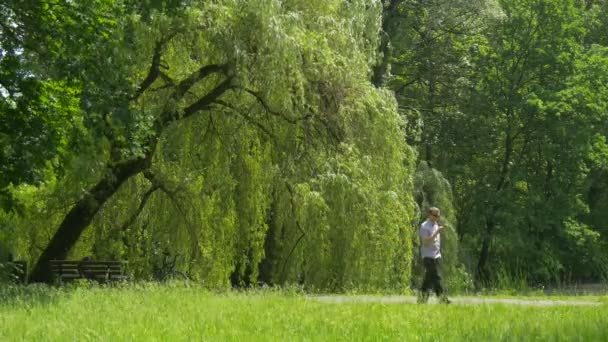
(455, 300)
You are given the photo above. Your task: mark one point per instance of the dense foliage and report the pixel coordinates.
(243, 135)
(513, 109)
(301, 141)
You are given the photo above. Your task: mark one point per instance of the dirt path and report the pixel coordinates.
(455, 300)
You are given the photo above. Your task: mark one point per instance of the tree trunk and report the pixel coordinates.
(482, 273)
(81, 215)
(380, 70)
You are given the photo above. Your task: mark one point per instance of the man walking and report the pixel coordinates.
(430, 238)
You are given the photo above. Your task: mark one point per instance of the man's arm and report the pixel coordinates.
(427, 238)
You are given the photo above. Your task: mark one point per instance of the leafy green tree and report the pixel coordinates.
(41, 95)
(525, 181)
(489, 89)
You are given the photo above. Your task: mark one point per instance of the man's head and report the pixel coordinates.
(434, 214)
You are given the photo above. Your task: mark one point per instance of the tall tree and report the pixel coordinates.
(526, 179)
(40, 88)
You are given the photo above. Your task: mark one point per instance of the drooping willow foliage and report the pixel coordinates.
(300, 174)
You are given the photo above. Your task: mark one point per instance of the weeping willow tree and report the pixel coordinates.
(244, 135)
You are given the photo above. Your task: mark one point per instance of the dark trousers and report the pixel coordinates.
(432, 277)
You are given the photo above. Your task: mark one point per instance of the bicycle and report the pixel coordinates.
(168, 271)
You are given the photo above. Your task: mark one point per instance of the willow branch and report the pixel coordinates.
(264, 104)
(173, 197)
(302, 232)
(245, 116)
(142, 205)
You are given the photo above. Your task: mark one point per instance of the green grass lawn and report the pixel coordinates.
(154, 313)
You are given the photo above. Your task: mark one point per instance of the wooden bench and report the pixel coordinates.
(101, 271)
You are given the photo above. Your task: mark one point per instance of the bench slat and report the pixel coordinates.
(90, 272)
(86, 263)
(75, 270)
(99, 270)
(85, 268)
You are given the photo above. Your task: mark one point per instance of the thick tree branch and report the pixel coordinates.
(184, 86)
(208, 99)
(200, 74)
(172, 114)
(154, 71)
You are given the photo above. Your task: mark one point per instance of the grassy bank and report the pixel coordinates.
(149, 313)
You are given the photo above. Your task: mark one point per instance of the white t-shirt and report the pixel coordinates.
(428, 228)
